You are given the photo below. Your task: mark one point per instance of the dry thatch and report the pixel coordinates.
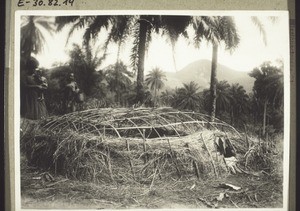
(142, 145)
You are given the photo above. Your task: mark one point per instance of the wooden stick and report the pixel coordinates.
(207, 203)
(144, 146)
(130, 161)
(174, 124)
(174, 161)
(195, 166)
(55, 167)
(196, 169)
(54, 183)
(234, 203)
(158, 171)
(152, 182)
(109, 164)
(212, 160)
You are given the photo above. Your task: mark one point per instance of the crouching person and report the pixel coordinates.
(225, 148)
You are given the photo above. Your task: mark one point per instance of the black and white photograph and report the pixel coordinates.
(152, 110)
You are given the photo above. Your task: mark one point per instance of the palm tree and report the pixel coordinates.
(223, 96)
(155, 79)
(167, 97)
(268, 87)
(33, 38)
(92, 25)
(239, 102)
(118, 78)
(142, 38)
(216, 29)
(120, 27)
(84, 64)
(188, 97)
(172, 26)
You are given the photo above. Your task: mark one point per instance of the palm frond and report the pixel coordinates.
(97, 61)
(121, 27)
(33, 33)
(134, 50)
(229, 33)
(95, 26)
(39, 39)
(155, 79)
(148, 40)
(260, 27)
(204, 27)
(62, 21)
(77, 25)
(48, 26)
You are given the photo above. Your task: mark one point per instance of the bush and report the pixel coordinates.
(91, 103)
(266, 155)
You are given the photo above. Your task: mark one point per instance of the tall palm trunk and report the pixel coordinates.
(213, 82)
(141, 61)
(118, 95)
(264, 118)
(155, 96)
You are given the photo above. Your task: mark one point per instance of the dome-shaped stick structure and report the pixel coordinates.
(120, 144)
(135, 123)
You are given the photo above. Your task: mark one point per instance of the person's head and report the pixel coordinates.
(32, 64)
(71, 77)
(38, 73)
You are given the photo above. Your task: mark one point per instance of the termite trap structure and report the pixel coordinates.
(141, 144)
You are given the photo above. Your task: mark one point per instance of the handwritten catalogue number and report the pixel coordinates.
(41, 3)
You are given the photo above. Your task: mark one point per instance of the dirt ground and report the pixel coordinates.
(43, 190)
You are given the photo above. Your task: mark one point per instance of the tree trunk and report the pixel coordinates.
(213, 82)
(155, 94)
(141, 60)
(118, 101)
(265, 117)
(118, 96)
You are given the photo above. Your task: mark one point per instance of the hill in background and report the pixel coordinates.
(199, 72)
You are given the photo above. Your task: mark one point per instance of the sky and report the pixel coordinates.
(251, 52)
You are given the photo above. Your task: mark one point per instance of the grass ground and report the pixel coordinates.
(38, 192)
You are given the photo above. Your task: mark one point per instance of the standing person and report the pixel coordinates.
(71, 91)
(41, 80)
(34, 106)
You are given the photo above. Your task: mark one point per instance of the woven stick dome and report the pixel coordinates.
(102, 144)
(138, 123)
